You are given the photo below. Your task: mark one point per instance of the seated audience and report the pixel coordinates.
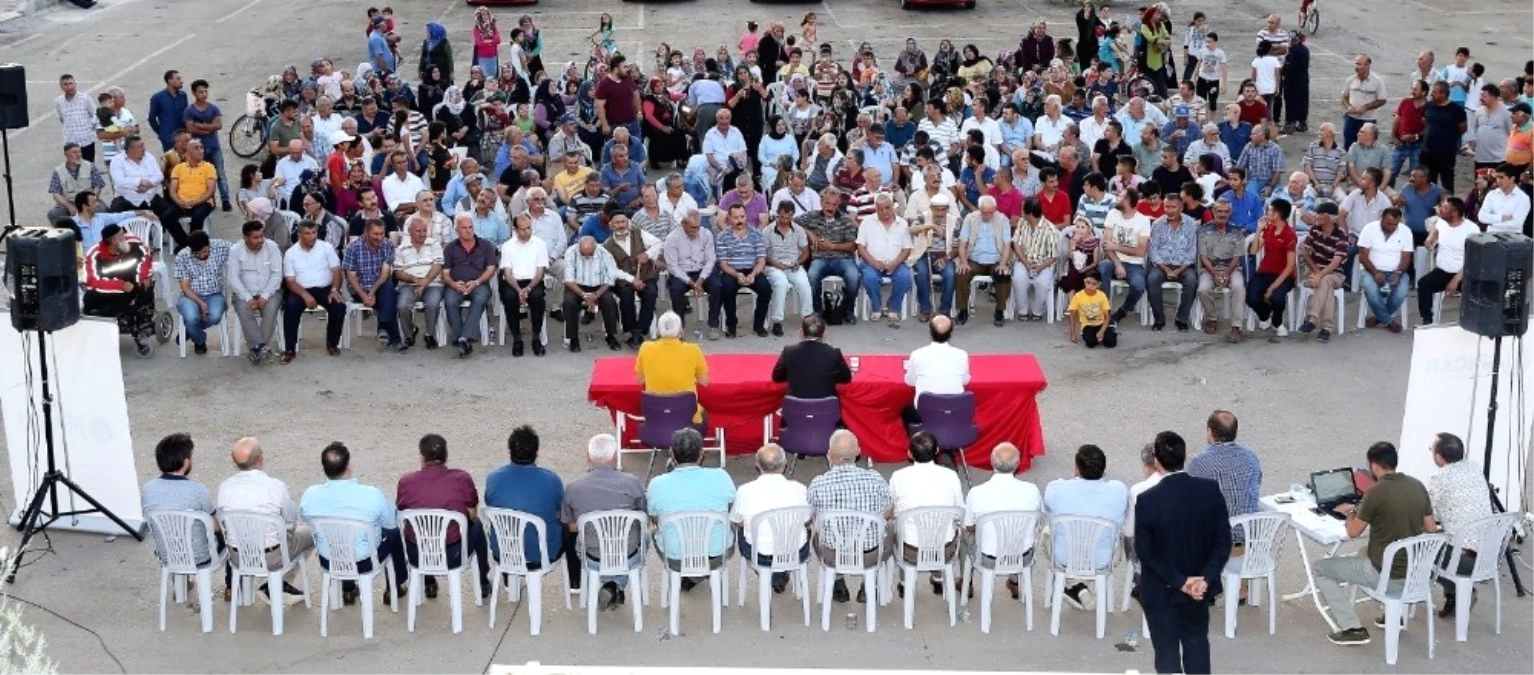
(848, 488)
(768, 491)
(251, 489)
(435, 486)
(689, 486)
(524, 486)
(1087, 494)
(1003, 492)
(922, 484)
(1460, 496)
(602, 488)
(343, 496)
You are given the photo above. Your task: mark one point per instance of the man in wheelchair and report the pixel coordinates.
(118, 283)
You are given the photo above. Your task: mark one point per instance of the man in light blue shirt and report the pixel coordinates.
(880, 155)
(379, 53)
(457, 186)
(1087, 494)
(1016, 131)
(690, 487)
(342, 496)
(90, 222)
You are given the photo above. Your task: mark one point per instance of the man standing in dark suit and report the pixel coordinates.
(1182, 536)
(812, 368)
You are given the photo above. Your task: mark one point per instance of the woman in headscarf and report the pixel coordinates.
(308, 97)
(291, 84)
(667, 142)
(1088, 24)
(586, 121)
(726, 62)
(699, 59)
(454, 112)
(973, 64)
(431, 90)
(912, 62)
(361, 80)
(548, 108)
(532, 43)
(475, 83)
(778, 143)
(436, 51)
(747, 100)
(487, 42)
(1037, 48)
(516, 88)
(945, 63)
(770, 50)
(1157, 37)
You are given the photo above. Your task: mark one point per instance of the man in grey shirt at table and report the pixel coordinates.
(603, 488)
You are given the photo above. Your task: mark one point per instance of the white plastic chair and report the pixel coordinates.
(935, 527)
(1265, 537)
(510, 528)
(1174, 289)
(787, 529)
(247, 533)
(1488, 537)
(462, 306)
(862, 305)
(1339, 298)
(1084, 536)
(292, 219)
(613, 530)
(695, 532)
(1016, 534)
(175, 532)
(853, 532)
(337, 540)
(502, 322)
(430, 527)
(1142, 308)
(1421, 554)
(227, 330)
(974, 290)
(152, 233)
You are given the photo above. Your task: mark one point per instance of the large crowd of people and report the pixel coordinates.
(1068, 176)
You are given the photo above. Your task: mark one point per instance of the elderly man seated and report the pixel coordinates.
(636, 255)
(833, 253)
(923, 484)
(741, 251)
(667, 365)
(883, 244)
(1003, 492)
(788, 251)
(848, 488)
(590, 274)
(118, 279)
(690, 262)
(602, 488)
(251, 489)
(770, 490)
(689, 487)
(343, 496)
(983, 250)
(417, 269)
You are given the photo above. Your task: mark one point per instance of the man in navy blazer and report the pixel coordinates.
(812, 368)
(1182, 536)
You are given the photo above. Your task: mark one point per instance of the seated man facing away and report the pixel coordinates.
(343, 496)
(1397, 507)
(174, 491)
(771, 490)
(435, 486)
(848, 488)
(1003, 492)
(524, 486)
(689, 487)
(1087, 494)
(812, 368)
(938, 368)
(251, 489)
(924, 483)
(1460, 496)
(667, 365)
(1235, 467)
(602, 488)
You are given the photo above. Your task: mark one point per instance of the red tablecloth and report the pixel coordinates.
(741, 392)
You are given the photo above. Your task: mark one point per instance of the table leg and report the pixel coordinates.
(1310, 581)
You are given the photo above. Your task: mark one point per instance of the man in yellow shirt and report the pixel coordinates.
(668, 365)
(192, 188)
(571, 180)
(1087, 316)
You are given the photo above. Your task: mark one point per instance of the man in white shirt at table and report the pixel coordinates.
(938, 368)
(251, 489)
(771, 490)
(923, 484)
(1003, 492)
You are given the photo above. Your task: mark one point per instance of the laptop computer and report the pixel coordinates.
(1332, 488)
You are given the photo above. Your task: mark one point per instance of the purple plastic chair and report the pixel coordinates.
(661, 416)
(951, 418)
(807, 427)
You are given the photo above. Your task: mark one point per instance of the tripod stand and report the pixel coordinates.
(35, 519)
(1491, 425)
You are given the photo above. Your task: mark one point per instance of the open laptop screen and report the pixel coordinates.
(1333, 486)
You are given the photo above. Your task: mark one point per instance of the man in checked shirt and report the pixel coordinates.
(1234, 466)
(847, 488)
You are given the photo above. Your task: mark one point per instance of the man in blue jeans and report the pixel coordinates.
(343, 496)
(833, 243)
(200, 271)
(884, 243)
(1126, 239)
(1385, 251)
(934, 261)
(369, 268)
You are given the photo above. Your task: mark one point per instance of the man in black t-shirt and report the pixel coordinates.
(1446, 124)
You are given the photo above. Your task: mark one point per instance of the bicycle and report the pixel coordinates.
(247, 136)
(1310, 16)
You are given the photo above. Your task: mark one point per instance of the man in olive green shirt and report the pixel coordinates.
(1395, 508)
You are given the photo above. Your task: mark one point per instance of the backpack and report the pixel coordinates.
(831, 302)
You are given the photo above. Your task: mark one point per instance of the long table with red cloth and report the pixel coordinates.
(741, 392)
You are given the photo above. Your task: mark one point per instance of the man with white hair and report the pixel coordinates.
(288, 172)
(1208, 143)
(848, 488)
(602, 488)
(1003, 492)
(1049, 128)
(549, 228)
(418, 278)
(590, 275)
(1301, 196)
(251, 489)
(1092, 128)
(883, 244)
(769, 491)
(983, 251)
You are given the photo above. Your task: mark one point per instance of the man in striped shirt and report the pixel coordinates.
(590, 274)
(742, 255)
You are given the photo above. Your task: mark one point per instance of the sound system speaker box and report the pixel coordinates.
(13, 96)
(44, 286)
(1496, 284)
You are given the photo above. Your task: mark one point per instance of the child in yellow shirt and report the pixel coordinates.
(1087, 316)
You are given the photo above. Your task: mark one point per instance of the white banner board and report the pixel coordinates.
(90, 421)
(1449, 390)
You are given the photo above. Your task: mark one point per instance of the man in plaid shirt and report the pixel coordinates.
(847, 488)
(1263, 161)
(1235, 467)
(200, 270)
(78, 116)
(369, 267)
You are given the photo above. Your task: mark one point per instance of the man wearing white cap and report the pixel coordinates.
(932, 231)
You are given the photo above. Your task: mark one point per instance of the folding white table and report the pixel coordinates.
(1327, 531)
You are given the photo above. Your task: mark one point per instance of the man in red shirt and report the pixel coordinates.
(435, 486)
(1407, 132)
(1274, 245)
(1055, 203)
(1254, 110)
(618, 98)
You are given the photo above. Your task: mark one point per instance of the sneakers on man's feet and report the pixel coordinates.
(1349, 637)
(463, 348)
(1281, 330)
(839, 592)
(1324, 336)
(1307, 327)
(607, 597)
(1078, 596)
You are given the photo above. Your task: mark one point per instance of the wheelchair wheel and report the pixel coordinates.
(145, 349)
(164, 325)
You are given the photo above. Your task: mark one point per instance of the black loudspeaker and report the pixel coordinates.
(40, 267)
(13, 96)
(1496, 284)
